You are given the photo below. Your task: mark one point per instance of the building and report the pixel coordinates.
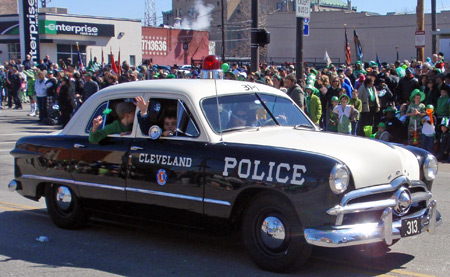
(237, 15)
(59, 32)
(379, 34)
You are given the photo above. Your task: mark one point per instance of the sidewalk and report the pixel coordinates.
(21, 117)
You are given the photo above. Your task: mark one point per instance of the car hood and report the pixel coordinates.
(371, 162)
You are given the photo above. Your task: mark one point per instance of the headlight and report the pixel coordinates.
(430, 167)
(339, 178)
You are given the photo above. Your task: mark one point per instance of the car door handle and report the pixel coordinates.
(134, 148)
(77, 145)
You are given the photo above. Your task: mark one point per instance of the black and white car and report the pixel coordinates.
(242, 153)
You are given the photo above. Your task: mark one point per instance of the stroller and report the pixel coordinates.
(53, 116)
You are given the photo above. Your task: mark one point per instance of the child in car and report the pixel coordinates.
(122, 126)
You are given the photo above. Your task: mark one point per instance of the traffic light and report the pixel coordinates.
(260, 37)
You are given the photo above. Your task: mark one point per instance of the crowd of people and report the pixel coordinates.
(404, 102)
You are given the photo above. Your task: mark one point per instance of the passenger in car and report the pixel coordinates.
(122, 126)
(165, 117)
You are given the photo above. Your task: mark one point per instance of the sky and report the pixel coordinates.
(134, 9)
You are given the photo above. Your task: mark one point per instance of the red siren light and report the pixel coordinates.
(211, 62)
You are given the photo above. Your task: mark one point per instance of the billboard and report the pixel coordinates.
(168, 46)
(29, 29)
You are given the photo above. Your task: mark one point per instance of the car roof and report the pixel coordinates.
(195, 89)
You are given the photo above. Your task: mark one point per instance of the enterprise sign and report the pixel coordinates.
(29, 29)
(76, 28)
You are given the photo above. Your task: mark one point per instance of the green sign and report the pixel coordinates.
(53, 27)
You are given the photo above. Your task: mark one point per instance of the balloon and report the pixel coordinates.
(225, 67)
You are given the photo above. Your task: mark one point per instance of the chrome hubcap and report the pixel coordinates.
(63, 198)
(272, 232)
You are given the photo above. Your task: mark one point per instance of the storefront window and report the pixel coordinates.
(64, 51)
(14, 51)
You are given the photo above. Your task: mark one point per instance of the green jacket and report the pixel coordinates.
(114, 128)
(314, 108)
(357, 104)
(443, 106)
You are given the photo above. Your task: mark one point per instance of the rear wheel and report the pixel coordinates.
(273, 234)
(64, 207)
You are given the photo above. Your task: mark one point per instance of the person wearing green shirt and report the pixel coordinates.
(415, 111)
(313, 104)
(357, 104)
(31, 80)
(122, 126)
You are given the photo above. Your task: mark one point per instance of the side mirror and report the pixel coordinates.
(154, 132)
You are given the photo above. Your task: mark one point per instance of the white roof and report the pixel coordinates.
(195, 89)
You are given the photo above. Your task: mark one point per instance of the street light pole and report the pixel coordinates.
(223, 32)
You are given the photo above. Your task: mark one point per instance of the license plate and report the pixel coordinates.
(411, 227)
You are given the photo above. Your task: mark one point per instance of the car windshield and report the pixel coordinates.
(235, 112)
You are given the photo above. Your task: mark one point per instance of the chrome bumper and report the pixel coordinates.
(387, 231)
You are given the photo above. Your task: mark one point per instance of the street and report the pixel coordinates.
(111, 248)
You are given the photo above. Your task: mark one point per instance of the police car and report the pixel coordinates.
(242, 153)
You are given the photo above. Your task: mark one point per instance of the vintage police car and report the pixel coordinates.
(243, 153)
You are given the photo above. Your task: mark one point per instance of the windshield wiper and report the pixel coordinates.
(298, 126)
(239, 128)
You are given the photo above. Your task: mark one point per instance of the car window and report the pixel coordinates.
(172, 116)
(284, 110)
(251, 110)
(108, 112)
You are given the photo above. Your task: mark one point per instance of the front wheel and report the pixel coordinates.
(64, 207)
(273, 234)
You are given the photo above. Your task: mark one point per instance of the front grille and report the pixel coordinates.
(367, 205)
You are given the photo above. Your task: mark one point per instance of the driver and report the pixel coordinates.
(239, 118)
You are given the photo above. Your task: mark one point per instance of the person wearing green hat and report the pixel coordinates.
(357, 104)
(332, 118)
(382, 133)
(313, 104)
(444, 141)
(415, 111)
(358, 69)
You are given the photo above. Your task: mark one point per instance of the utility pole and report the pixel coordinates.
(254, 47)
(223, 31)
(420, 27)
(433, 26)
(299, 49)
(303, 10)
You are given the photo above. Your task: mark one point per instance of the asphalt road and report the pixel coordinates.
(110, 248)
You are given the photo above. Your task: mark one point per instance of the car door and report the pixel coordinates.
(100, 170)
(168, 171)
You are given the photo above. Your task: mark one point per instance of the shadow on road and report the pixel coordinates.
(155, 249)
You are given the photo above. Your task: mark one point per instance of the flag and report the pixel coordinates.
(80, 61)
(378, 62)
(119, 68)
(103, 59)
(113, 63)
(358, 47)
(326, 58)
(90, 59)
(348, 55)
